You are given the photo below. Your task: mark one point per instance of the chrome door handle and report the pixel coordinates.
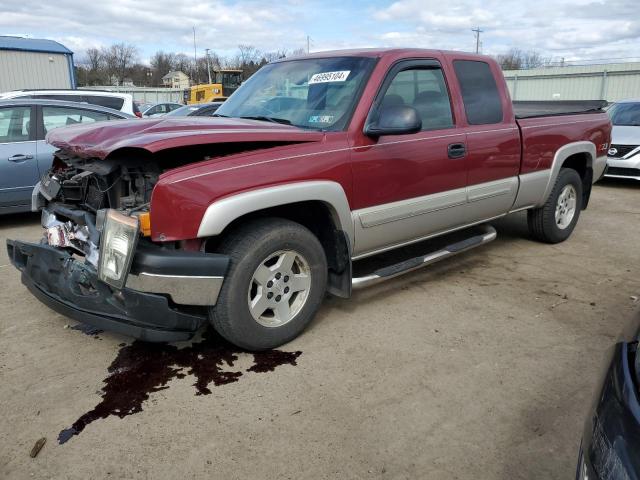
(20, 158)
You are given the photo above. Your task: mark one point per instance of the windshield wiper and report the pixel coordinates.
(282, 121)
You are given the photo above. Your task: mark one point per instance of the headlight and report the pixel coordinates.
(118, 242)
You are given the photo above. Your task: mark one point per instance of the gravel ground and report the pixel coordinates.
(479, 367)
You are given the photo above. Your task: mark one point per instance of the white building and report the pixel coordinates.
(611, 82)
(176, 79)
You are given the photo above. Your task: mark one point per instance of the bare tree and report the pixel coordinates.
(89, 68)
(93, 59)
(161, 64)
(248, 54)
(516, 59)
(126, 55)
(183, 63)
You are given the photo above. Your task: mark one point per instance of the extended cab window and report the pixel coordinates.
(480, 93)
(15, 124)
(315, 93)
(423, 89)
(54, 117)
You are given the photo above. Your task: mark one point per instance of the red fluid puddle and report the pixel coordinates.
(143, 368)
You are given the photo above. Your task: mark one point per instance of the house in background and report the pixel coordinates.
(176, 79)
(34, 63)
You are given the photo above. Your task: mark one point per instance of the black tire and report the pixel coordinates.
(248, 246)
(542, 221)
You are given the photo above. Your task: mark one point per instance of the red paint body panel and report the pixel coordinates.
(543, 136)
(372, 171)
(190, 190)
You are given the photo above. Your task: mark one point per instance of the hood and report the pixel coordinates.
(625, 135)
(98, 140)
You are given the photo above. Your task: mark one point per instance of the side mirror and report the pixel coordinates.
(394, 120)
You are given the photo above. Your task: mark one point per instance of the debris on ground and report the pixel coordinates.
(37, 447)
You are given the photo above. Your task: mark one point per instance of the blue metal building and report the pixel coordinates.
(34, 63)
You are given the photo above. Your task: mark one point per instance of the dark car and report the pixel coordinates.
(611, 441)
(196, 110)
(24, 154)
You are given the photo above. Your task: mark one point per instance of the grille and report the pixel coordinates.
(621, 150)
(625, 172)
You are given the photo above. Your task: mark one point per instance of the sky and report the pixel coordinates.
(581, 30)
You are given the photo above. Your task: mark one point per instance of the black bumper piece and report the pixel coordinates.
(72, 288)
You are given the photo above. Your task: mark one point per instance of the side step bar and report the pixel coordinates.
(489, 234)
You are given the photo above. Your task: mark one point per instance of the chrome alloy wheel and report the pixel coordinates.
(279, 288)
(566, 206)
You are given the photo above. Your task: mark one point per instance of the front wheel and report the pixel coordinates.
(555, 220)
(275, 284)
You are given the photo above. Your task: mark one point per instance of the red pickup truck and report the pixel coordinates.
(153, 227)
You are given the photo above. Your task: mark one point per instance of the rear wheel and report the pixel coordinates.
(555, 220)
(275, 284)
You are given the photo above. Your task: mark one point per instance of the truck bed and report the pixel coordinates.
(533, 109)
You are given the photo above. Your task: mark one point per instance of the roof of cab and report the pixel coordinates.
(382, 52)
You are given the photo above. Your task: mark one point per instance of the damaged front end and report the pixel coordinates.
(80, 235)
(96, 263)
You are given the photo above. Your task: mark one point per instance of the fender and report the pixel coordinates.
(559, 158)
(535, 187)
(222, 212)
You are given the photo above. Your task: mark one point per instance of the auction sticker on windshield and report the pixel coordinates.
(327, 77)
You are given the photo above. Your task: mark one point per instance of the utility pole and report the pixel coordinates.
(208, 67)
(477, 32)
(195, 55)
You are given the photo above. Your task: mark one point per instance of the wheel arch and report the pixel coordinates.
(320, 206)
(579, 156)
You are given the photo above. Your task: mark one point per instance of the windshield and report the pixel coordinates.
(627, 114)
(316, 93)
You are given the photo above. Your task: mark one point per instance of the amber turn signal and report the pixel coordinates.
(145, 224)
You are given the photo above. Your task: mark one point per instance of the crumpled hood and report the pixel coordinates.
(98, 140)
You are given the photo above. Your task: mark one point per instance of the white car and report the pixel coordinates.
(116, 101)
(624, 153)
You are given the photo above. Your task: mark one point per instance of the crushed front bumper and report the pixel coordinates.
(71, 288)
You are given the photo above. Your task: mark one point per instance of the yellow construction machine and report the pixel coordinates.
(225, 82)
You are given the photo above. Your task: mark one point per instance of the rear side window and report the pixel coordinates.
(15, 124)
(104, 101)
(55, 117)
(66, 98)
(480, 93)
